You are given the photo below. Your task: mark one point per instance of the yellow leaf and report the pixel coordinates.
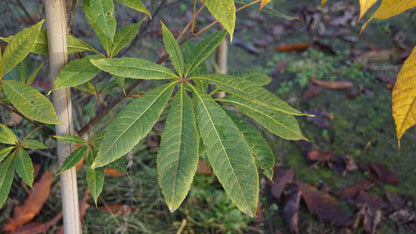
(364, 6)
(404, 96)
(323, 2)
(263, 3)
(389, 8)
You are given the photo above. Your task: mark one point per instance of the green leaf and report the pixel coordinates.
(202, 50)
(6, 178)
(4, 152)
(228, 153)
(7, 136)
(33, 144)
(21, 71)
(259, 78)
(33, 75)
(249, 91)
(74, 158)
(121, 83)
(259, 148)
(74, 44)
(134, 68)
(100, 16)
(19, 47)
(136, 5)
(71, 139)
(133, 124)
(124, 36)
(187, 49)
(224, 12)
(77, 72)
(177, 159)
(276, 122)
(120, 166)
(30, 102)
(24, 166)
(173, 49)
(95, 178)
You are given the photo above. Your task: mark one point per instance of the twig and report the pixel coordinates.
(44, 128)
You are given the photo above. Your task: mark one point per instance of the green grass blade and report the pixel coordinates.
(7, 136)
(134, 68)
(136, 5)
(202, 50)
(228, 153)
(24, 166)
(173, 49)
(4, 152)
(6, 178)
(177, 159)
(19, 47)
(124, 36)
(100, 16)
(95, 178)
(33, 144)
(250, 91)
(77, 72)
(224, 12)
(30, 102)
(259, 148)
(278, 123)
(74, 158)
(132, 124)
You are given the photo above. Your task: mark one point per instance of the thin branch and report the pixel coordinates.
(26, 12)
(44, 128)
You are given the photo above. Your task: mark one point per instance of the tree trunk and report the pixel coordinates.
(56, 13)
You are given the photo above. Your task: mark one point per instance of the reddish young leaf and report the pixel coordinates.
(323, 205)
(353, 190)
(33, 204)
(335, 85)
(280, 179)
(382, 175)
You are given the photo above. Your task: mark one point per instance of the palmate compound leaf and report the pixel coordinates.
(6, 178)
(249, 91)
(136, 5)
(259, 148)
(77, 72)
(74, 158)
(33, 144)
(202, 50)
(224, 12)
(7, 136)
(132, 124)
(124, 36)
(177, 159)
(134, 68)
(95, 177)
(228, 153)
(30, 102)
(390, 8)
(404, 96)
(100, 16)
(19, 47)
(278, 123)
(24, 166)
(173, 49)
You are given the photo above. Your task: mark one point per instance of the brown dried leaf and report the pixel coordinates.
(14, 120)
(112, 172)
(294, 47)
(353, 190)
(395, 201)
(335, 85)
(118, 209)
(37, 228)
(323, 205)
(292, 198)
(382, 175)
(321, 117)
(280, 179)
(32, 205)
(204, 167)
(369, 199)
(313, 91)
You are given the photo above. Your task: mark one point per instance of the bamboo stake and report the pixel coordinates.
(222, 61)
(58, 57)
